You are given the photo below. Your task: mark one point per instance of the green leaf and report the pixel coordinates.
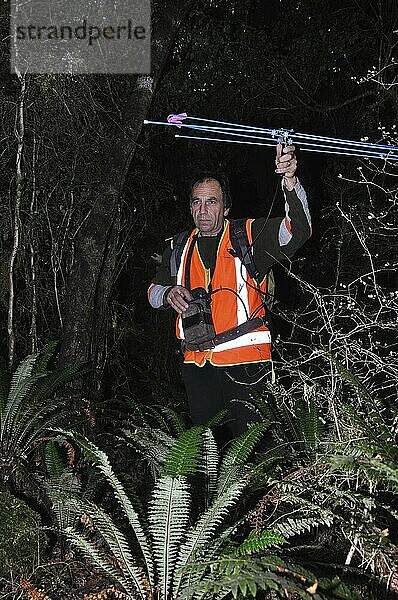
(183, 458)
(252, 587)
(210, 464)
(55, 464)
(44, 357)
(243, 587)
(21, 383)
(168, 518)
(237, 455)
(260, 540)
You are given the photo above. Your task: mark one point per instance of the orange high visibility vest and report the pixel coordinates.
(228, 309)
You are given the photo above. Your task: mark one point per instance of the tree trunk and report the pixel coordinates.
(87, 308)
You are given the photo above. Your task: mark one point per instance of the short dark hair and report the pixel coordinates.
(217, 176)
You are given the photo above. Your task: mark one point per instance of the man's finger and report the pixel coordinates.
(185, 293)
(176, 298)
(178, 304)
(286, 158)
(278, 150)
(287, 149)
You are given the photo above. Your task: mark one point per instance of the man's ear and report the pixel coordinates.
(226, 211)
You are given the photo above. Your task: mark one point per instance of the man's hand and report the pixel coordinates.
(286, 164)
(177, 297)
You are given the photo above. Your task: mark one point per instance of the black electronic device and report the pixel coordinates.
(197, 320)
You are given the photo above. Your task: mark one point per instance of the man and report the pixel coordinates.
(232, 363)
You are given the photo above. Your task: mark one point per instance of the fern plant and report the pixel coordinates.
(297, 420)
(246, 576)
(337, 486)
(169, 552)
(29, 408)
(169, 536)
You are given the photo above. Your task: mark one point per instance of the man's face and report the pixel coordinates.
(207, 207)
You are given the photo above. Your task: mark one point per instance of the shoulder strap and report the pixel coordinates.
(241, 246)
(244, 252)
(187, 277)
(178, 245)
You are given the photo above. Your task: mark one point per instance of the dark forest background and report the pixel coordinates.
(88, 194)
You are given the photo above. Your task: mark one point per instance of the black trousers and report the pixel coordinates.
(211, 389)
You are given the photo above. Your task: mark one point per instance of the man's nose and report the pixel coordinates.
(203, 207)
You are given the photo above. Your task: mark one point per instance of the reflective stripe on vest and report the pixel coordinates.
(230, 307)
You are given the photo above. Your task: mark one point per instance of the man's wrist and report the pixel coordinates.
(165, 294)
(289, 182)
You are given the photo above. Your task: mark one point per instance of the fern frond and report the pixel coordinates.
(276, 411)
(22, 373)
(168, 517)
(202, 533)
(377, 429)
(218, 419)
(300, 514)
(44, 357)
(245, 577)
(116, 542)
(29, 409)
(13, 419)
(53, 460)
(309, 424)
(62, 491)
(153, 444)
(159, 419)
(350, 378)
(32, 425)
(237, 455)
(210, 464)
(52, 382)
(223, 538)
(101, 461)
(173, 419)
(290, 527)
(93, 482)
(375, 469)
(258, 541)
(184, 456)
(88, 549)
(21, 384)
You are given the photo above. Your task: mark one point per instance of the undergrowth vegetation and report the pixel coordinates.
(301, 505)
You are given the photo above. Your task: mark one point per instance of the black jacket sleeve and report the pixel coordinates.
(278, 239)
